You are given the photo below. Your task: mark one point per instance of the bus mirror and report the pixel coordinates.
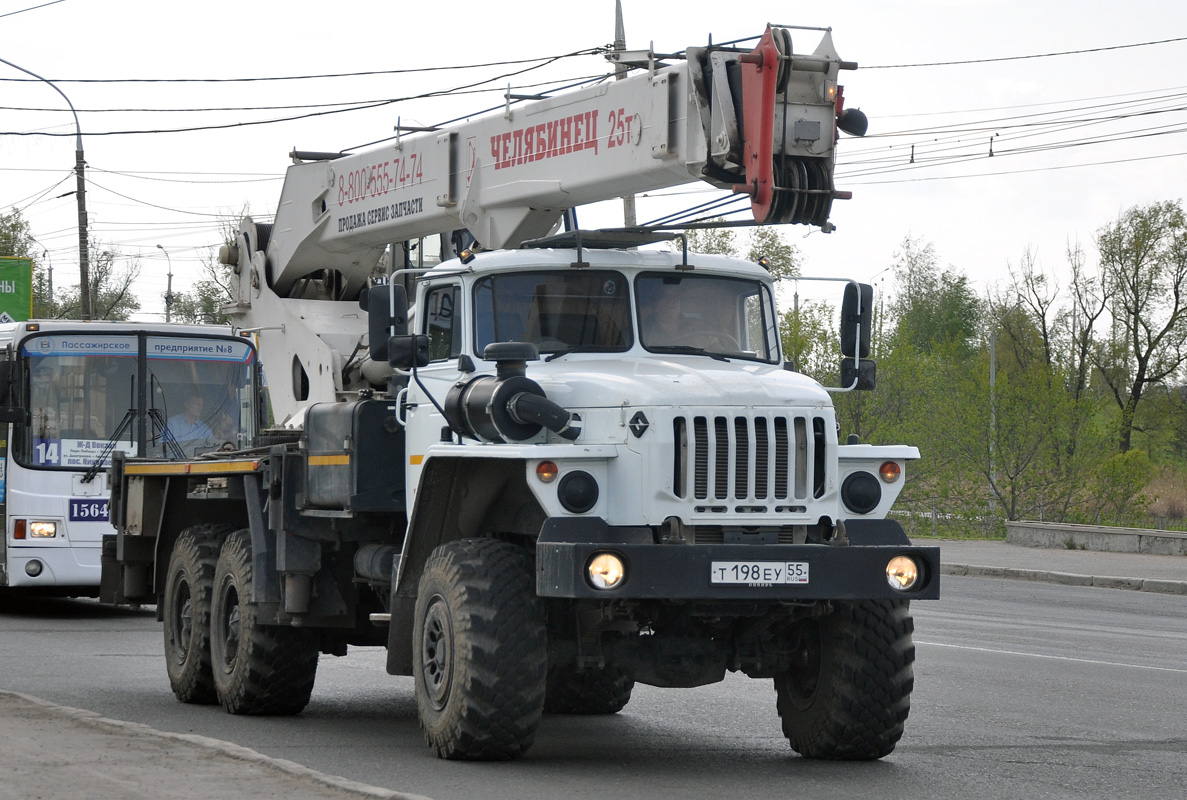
(9, 411)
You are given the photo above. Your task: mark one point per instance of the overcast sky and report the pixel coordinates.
(1077, 138)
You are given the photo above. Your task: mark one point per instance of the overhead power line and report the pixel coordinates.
(1024, 58)
(548, 59)
(377, 104)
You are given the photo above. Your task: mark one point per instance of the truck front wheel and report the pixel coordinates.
(258, 669)
(847, 693)
(480, 651)
(186, 612)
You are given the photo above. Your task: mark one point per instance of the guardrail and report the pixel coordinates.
(1097, 537)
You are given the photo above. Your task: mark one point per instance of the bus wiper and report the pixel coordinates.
(125, 423)
(684, 348)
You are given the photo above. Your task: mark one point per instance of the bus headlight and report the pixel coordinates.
(39, 529)
(902, 573)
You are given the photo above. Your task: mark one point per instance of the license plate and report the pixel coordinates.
(758, 573)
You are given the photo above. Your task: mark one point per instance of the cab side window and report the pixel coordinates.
(443, 322)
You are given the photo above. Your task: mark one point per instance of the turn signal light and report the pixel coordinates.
(547, 471)
(890, 471)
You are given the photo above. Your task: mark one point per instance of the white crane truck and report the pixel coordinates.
(561, 469)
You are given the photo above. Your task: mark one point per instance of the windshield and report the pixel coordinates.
(559, 311)
(731, 317)
(87, 397)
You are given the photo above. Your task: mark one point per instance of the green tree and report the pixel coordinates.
(716, 241)
(783, 259)
(16, 240)
(203, 303)
(933, 307)
(1143, 257)
(112, 275)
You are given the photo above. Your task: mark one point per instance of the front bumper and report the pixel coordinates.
(682, 572)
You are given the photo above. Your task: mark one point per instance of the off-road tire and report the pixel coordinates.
(848, 694)
(189, 584)
(258, 669)
(588, 691)
(480, 653)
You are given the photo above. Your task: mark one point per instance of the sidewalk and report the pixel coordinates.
(997, 559)
(53, 751)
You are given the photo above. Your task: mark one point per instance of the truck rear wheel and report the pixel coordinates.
(588, 691)
(189, 584)
(480, 651)
(848, 692)
(258, 669)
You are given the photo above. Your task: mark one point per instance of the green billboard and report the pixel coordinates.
(16, 289)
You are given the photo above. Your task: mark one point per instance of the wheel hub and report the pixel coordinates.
(437, 652)
(804, 672)
(232, 621)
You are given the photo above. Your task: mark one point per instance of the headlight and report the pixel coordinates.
(606, 571)
(42, 530)
(902, 573)
(861, 492)
(578, 492)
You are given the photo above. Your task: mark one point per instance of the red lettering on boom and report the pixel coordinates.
(550, 139)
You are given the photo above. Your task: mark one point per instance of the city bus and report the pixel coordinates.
(72, 394)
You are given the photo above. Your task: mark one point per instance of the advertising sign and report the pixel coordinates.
(16, 289)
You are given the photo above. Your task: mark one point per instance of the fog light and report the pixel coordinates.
(33, 568)
(606, 571)
(42, 530)
(902, 573)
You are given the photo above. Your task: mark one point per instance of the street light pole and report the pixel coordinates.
(84, 276)
(169, 285)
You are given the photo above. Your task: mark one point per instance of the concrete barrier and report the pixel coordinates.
(1097, 537)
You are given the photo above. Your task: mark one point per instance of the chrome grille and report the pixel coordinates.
(750, 458)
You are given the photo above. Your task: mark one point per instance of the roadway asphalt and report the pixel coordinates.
(54, 751)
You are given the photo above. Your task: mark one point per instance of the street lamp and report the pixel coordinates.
(169, 285)
(84, 277)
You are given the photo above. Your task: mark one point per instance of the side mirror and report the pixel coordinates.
(857, 314)
(8, 411)
(862, 371)
(408, 350)
(376, 301)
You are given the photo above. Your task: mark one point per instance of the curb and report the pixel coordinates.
(1158, 585)
(229, 749)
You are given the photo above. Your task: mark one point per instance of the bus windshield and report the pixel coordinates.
(90, 394)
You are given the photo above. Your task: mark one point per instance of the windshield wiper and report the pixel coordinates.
(684, 348)
(125, 423)
(579, 348)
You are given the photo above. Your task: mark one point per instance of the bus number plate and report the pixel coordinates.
(89, 510)
(759, 572)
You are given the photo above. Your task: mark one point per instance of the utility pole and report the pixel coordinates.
(620, 71)
(84, 276)
(169, 285)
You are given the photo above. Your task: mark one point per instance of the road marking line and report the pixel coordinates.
(1053, 658)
